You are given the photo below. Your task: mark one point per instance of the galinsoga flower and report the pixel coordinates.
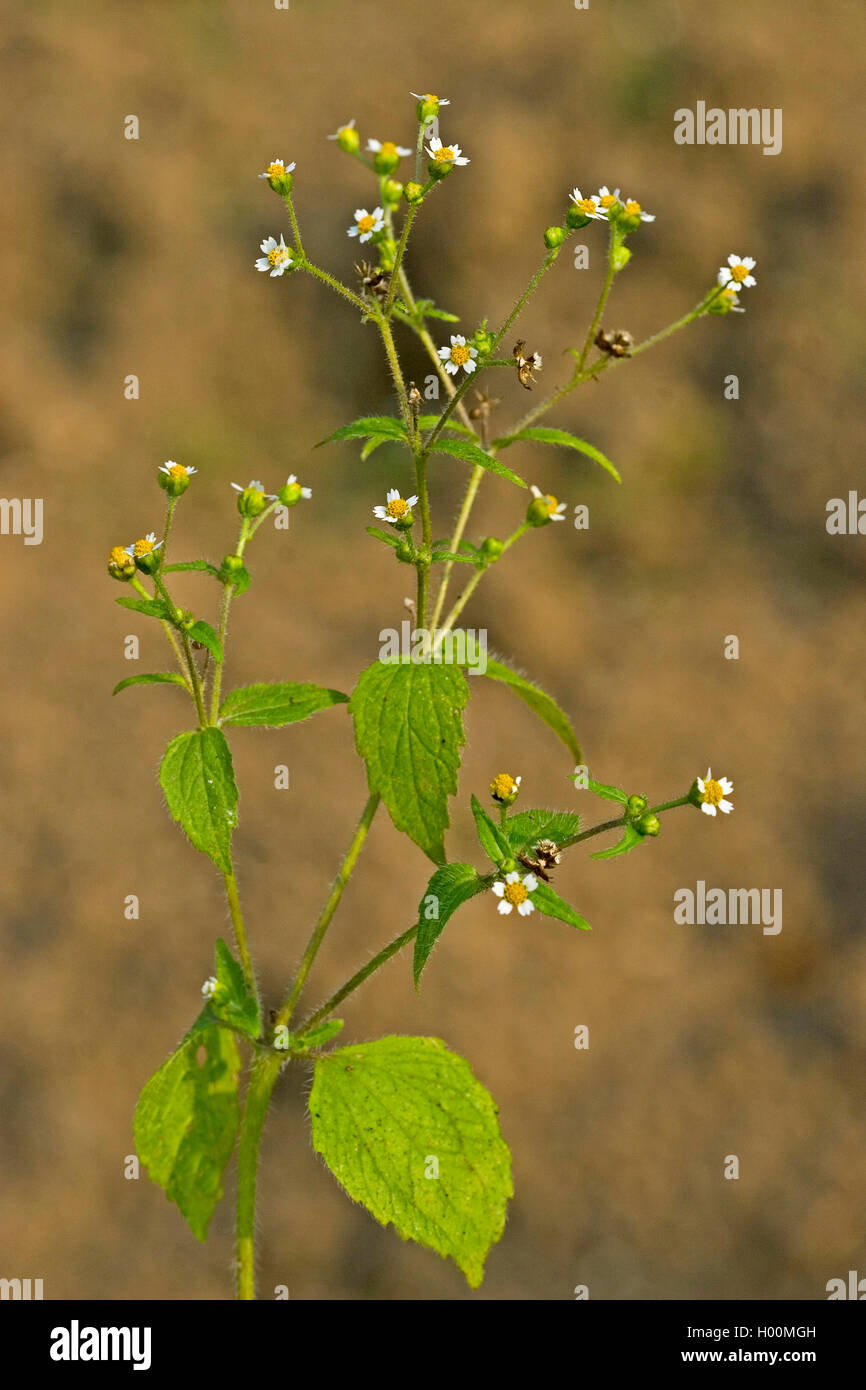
(588, 206)
(430, 96)
(633, 209)
(445, 154)
(277, 258)
(209, 988)
(277, 169)
(387, 148)
(605, 199)
(293, 487)
(514, 893)
(555, 510)
(145, 546)
(396, 508)
(504, 787)
(176, 470)
(738, 272)
(366, 223)
(460, 354)
(341, 130)
(713, 793)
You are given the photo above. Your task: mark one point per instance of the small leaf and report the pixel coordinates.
(429, 422)
(455, 559)
(426, 309)
(201, 565)
(239, 579)
(388, 537)
(186, 1121)
(492, 840)
(273, 706)
(526, 828)
(152, 607)
(409, 731)
(317, 1037)
(470, 453)
(198, 780)
(157, 678)
(383, 1111)
(609, 793)
(630, 840)
(552, 905)
(233, 1002)
(373, 443)
(369, 425)
(204, 634)
(543, 435)
(449, 888)
(539, 702)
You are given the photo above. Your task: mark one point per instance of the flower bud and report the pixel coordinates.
(621, 258)
(348, 139)
(386, 158)
(392, 192)
(427, 109)
(232, 563)
(636, 806)
(174, 478)
(649, 825)
(538, 512)
(405, 550)
(184, 619)
(508, 866)
(553, 237)
(574, 218)
(121, 565)
(413, 192)
(482, 340)
(440, 168)
(251, 501)
(492, 548)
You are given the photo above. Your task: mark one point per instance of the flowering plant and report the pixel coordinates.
(402, 1123)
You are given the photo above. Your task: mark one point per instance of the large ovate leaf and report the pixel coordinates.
(198, 780)
(186, 1121)
(552, 905)
(541, 434)
(526, 828)
(409, 731)
(470, 453)
(286, 702)
(153, 678)
(449, 888)
(409, 1133)
(539, 702)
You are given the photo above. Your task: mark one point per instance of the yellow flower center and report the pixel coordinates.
(552, 503)
(143, 547)
(632, 209)
(713, 793)
(277, 169)
(388, 148)
(118, 557)
(739, 273)
(277, 255)
(503, 786)
(460, 354)
(397, 508)
(586, 206)
(515, 893)
(608, 200)
(430, 96)
(365, 224)
(177, 470)
(445, 154)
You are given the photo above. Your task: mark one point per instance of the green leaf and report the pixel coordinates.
(543, 435)
(198, 780)
(429, 422)
(233, 1002)
(383, 1111)
(157, 678)
(204, 634)
(240, 579)
(526, 828)
(552, 905)
(388, 537)
(470, 453)
(201, 565)
(409, 731)
(455, 559)
(492, 840)
(152, 607)
(287, 702)
(186, 1120)
(426, 309)
(609, 793)
(317, 1037)
(368, 425)
(373, 443)
(630, 840)
(539, 702)
(449, 888)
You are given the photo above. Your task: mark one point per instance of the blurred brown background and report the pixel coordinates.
(136, 257)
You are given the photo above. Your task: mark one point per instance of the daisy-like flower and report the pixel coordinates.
(143, 547)
(292, 483)
(633, 209)
(396, 507)
(588, 206)
(555, 510)
(459, 354)
(277, 257)
(387, 147)
(504, 787)
(738, 272)
(209, 988)
(605, 198)
(713, 793)
(515, 893)
(445, 154)
(350, 125)
(430, 96)
(277, 169)
(176, 470)
(366, 223)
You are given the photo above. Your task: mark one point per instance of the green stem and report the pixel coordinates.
(358, 978)
(231, 886)
(335, 285)
(192, 669)
(225, 607)
(527, 294)
(287, 199)
(136, 584)
(263, 1076)
(398, 259)
(466, 594)
(602, 299)
(397, 373)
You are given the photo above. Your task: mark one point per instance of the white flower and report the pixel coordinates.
(605, 198)
(459, 354)
(144, 546)
(445, 154)
(175, 470)
(209, 988)
(387, 148)
(366, 223)
(306, 492)
(254, 486)
(396, 507)
(350, 125)
(713, 792)
(588, 206)
(555, 510)
(512, 893)
(430, 96)
(633, 209)
(277, 258)
(737, 272)
(277, 168)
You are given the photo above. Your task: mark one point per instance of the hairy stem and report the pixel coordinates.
(234, 902)
(353, 982)
(263, 1076)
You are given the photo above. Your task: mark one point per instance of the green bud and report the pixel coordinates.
(440, 168)
(290, 494)
(121, 566)
(553, 237)
(405, 551)
(386, 159)
(574, 218)
(232, 562)
(621, 258)
(427, 109)
(649, 825)
(392, 192)
(538, 512)
(508, 866)
(184, 619)
(483, 341)
(348, 139)
(724, 302)
(491, 548)
(636, 806)
(283, 184)
(173, 478)
(413, 192)
(149, 563)
(252, 501)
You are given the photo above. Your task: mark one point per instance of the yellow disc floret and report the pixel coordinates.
(397, 508)
(460, 354)
(503, 786)
(143, 547)
(515, 893)
(713, 792)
